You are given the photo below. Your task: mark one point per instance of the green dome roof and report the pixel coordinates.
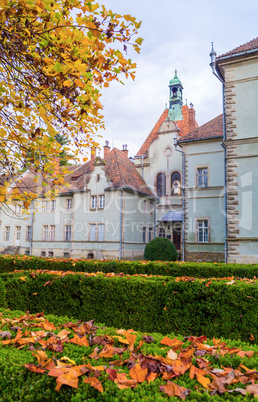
(175, 80)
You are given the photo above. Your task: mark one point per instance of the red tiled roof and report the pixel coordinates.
(252, 45)
(120, 171)
(153, 134)
(184, 126)
(123, 174)
(212, 129)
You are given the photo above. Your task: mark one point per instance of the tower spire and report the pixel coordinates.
(175, 99)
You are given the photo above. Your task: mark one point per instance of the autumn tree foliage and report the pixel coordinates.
(56, 57)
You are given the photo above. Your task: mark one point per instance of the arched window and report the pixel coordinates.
(176, 183)
(161, 184)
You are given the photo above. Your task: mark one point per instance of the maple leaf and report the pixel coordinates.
(138, 374)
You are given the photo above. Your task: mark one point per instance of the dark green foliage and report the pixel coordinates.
(160, 249)
(2, 294)
(146, 304)
(174, 269)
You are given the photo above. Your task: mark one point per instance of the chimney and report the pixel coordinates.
(192, 122)
(106, 149)
(125, 150)
(56, 165)
(92, 154)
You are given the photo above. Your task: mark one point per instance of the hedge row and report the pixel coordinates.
(145, 304)
(175, 269)
(17, 383)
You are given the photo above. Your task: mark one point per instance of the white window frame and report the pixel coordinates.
(93, 202)
(68, 204)
(202, 177)
(68, 232)
(7, 232)
(162, 233)
(52, 232)
(45, 233)
(28, 233)
(203, 230)
(18, 209)
(46, 206)
(53, 205)
(18, 232)
(101, 201)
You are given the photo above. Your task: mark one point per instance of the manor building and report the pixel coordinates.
(196, 186)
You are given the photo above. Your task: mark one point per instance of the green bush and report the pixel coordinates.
(160, 249)
(159, 304)
(2, 294)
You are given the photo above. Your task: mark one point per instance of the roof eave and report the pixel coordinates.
(201, 139)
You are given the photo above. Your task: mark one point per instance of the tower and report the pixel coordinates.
(175, 99)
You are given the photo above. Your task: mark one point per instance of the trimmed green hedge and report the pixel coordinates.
(145, 304)
(175, 269)
(2, 294)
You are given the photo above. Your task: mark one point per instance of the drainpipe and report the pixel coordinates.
(217, 74)
(32, 227)
(121, 224)
(183, 189)
(154, 220)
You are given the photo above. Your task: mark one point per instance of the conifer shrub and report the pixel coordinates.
(160, 249)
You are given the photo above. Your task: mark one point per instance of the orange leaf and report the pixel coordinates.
(180, 366)
(79, 341)
(131, 340)
(94, 382)
(34, 368)
(138, 374)
(172, 389)
(174, 343)
(151, 377)
(203, 380)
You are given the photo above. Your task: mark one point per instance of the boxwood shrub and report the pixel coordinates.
(160, 249)
(148, 304)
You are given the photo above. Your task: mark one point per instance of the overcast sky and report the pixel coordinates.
(177, 34)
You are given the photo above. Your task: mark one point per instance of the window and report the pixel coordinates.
(162, 232)
(203, 231)
(7, 231)
(151, 206)
(101, 229)
(145, 206)
(68, 232)
(98, 178)
(46, 206)
(202, 177)
(176, 183)
(43, 254)
(150, 233)
(92, 232)
(18, 209)
(18, 232)
(51, 254)
(66, 255)
(27, 252)
(101, 201)
(93, 202)
(53, 205)
(68, 205)
(52, 232)
(28, 233)
(45, 233)
(144, 234)
(161, 184)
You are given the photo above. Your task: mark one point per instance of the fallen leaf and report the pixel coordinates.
(138, 374)
(94, 382)
(174, 343)
(172, 389)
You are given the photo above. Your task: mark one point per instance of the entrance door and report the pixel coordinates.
(177, 239)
